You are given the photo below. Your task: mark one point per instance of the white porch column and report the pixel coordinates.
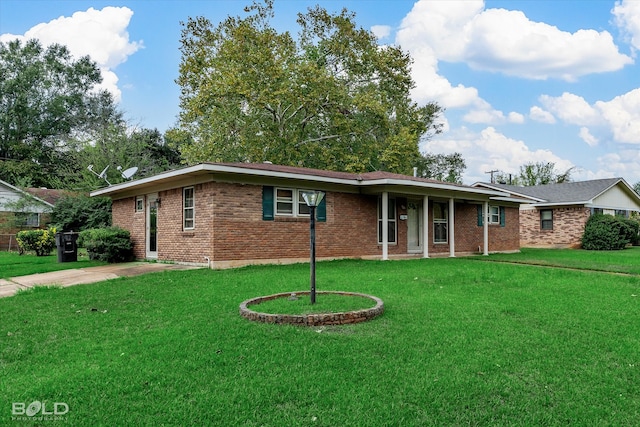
(425, 227)
(385, 226)
(452, 226)
(485, 225)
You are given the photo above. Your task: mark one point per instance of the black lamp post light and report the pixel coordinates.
(312, 199)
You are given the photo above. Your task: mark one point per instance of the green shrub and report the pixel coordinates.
(111, 244)
(606, 232)
(41, 242)
(80, 212)
(634, 237)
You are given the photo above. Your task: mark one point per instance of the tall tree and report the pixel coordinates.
(538, 173)
(47, 98)
(332, 99)
(119, 147)
(442, 167)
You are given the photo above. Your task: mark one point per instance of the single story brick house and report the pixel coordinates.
(23, 209)
(554, 215)
(230, 214)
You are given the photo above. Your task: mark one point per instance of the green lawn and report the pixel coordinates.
(13, 265)
(461, 342)
(625, 261)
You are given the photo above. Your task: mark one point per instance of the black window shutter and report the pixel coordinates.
(321, 210)
(502, 217)
(480, 207)
(267, 203)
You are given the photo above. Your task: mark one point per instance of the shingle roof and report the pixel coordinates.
(373, 181)
(366, 176)
(570, 192)
(48, 195)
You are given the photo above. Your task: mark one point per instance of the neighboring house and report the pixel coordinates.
(23, 209)
(554, 215)
(228, 214)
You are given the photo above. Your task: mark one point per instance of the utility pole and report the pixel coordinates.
(492, 172)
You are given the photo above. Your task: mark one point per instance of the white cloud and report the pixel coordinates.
(497, 40)
(572, 109)
(539, 115)
(506, 41)
(431, 86)
(485, 116)
(586, 136)
(623, 164)
(101, 34)
(622, 114)
(491, 150)
(418, 34)
(381, 31)
(627, 16)
(514, 117)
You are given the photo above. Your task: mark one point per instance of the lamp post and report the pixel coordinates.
(312, 199)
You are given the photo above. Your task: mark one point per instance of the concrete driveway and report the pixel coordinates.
(79, 276)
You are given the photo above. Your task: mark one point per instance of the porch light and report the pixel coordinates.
(312, 199)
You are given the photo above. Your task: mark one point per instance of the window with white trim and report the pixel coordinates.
(391, 223)
(188, 208)
(440, 222)
(494, 214)
(546, 219)
(289, 202)
(139, 204)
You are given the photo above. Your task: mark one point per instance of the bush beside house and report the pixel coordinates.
(607, 232)
(41, 242)
(110, 244)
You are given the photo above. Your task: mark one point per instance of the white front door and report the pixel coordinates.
(414, 226)
(152, 226)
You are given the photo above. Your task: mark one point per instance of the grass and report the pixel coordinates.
(325, 303)
(624, 261)
(461, 342)
(13, 265)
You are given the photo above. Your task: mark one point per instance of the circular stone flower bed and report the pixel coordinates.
(312, 319)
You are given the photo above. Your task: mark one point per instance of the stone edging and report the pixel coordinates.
(318, 319)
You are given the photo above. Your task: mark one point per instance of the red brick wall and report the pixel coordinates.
(241, 233)
(568, 227)
(124, 215)
(229, 227)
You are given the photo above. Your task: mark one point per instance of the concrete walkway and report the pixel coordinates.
(79, 276)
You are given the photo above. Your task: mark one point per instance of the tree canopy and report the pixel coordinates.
(54, 123)
(46, 99)
(538, 173)
(332, 99)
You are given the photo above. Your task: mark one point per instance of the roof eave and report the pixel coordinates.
(353, 182)
(26, 193)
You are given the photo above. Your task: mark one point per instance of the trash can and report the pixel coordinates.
(67, 244)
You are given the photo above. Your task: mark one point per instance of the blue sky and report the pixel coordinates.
(521, 81)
